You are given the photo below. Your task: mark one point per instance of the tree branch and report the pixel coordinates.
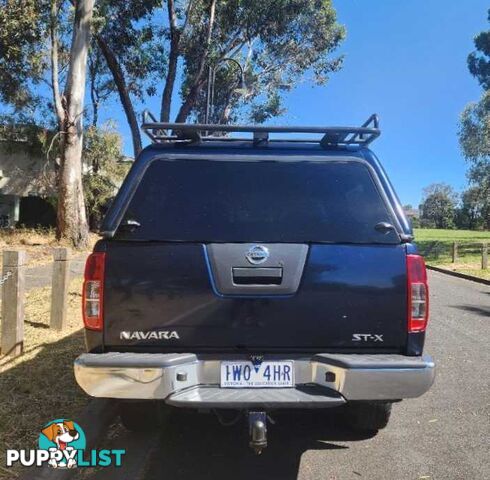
(187, 15)
(198, 82)
(54, 64)
(175, 36)
(122, 89)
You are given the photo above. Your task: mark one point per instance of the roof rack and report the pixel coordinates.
(164, 132)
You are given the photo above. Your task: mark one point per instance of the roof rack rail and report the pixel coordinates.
(164, 132)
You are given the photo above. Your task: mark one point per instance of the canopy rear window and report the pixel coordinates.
(263, 201)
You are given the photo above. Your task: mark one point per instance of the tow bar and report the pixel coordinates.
(257, 427)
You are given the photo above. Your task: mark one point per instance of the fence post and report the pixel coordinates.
(455, 252)
(59, 288)
(484, 256)
(13, 291)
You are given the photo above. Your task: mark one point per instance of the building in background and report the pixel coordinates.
(27, 184)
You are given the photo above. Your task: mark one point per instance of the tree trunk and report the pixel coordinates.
(72, 219)
(172, 63)
(189, 102)
(170, 82)
(92, 71)
(53, 28)
(122, 89)
(199, 81)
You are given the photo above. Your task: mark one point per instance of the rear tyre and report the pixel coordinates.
(368, 416)
(141, 416)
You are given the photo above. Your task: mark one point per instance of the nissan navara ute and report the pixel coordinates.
(251, 269)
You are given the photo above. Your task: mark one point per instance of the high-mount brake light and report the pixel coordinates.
(93, 291)
(418, 294)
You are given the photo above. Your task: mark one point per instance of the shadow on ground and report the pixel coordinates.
(35, 389)
(479, 310)
(197, 446)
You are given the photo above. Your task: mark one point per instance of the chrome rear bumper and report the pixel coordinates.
(190, 380)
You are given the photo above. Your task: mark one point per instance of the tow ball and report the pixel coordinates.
(257, 427)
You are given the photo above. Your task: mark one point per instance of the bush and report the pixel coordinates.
(104, 170)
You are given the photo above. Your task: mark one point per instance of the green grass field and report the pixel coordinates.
(439, 235)
(436, 245)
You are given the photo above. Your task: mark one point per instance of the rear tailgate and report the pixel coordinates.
(350, 296)
(257, 255)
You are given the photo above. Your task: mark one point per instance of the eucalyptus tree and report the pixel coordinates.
(46, 42)
(164, 48)
(279, 44)
(474, 133)
(153, 47)
(133, 46)
(71, 215)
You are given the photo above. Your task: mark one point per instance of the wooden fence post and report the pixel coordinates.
(455, 252)
(59, 288)
(13, 291)
(484, 256)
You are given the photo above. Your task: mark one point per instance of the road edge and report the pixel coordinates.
(459, 275)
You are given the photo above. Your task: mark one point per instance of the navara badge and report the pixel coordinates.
(257, 254)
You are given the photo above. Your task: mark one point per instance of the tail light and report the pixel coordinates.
(93, 292)
(418, 294)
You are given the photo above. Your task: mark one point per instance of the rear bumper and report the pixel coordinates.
(190, 380)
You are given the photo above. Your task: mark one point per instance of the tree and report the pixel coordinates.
(474, 132)
(30, 25)
(438, 205)
(134, 51)
(275, 50)
(472, 213)
(474, 138)
(71, 215)
(277, 42)
(479, 60)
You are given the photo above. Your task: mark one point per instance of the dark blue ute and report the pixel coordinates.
(262, 245)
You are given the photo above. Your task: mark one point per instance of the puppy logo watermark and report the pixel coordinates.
(62, 444)
(62, 438)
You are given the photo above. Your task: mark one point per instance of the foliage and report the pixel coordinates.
(415, 222)
(438, 206)
(137, 43)
(130, 29)
(22, 62)
(24, 137)
(412, 215)
(474, 132)
(475, 142)
(104, 170)
(479, 60)
(279, 44)
(473, 210)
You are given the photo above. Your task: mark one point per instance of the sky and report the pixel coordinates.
(405, 61)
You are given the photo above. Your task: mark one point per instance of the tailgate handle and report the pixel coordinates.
(257, 275)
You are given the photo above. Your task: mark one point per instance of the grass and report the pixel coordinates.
(437, 244)
(38, 243)
(39, 385)
(440, 235)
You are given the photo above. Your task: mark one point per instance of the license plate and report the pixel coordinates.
(248, 375)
